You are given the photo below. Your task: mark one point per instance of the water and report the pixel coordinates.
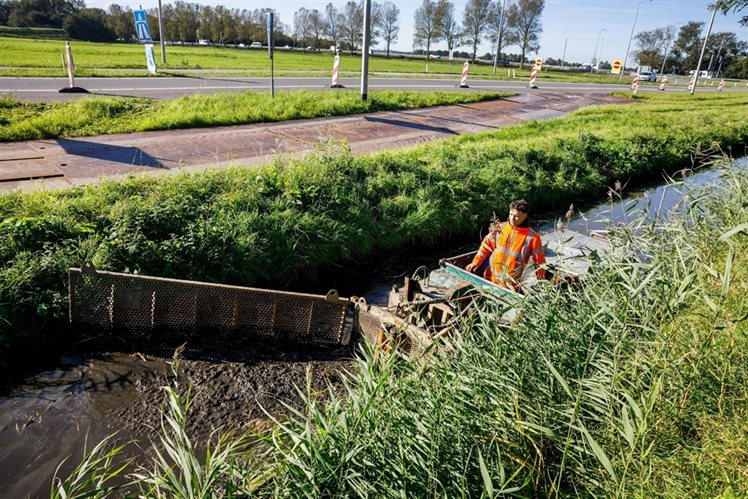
(50, 417)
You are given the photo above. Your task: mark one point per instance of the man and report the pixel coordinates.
(507, 249)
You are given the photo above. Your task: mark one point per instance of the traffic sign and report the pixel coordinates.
(616, 67)
(538, 63)
(141, 26)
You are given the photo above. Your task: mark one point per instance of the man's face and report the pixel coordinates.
(516, 217)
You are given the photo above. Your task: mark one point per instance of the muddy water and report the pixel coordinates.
(91, 395)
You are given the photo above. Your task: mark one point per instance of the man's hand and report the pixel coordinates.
(471, 267)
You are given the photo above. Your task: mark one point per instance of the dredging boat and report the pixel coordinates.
(424, 306)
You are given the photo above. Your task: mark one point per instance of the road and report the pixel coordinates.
(46, 89)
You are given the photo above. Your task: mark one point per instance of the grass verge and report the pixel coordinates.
(104, 115)
(295, 219)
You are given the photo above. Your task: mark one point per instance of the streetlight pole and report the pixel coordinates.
(631, 37)
(498, 36)
(365, 51)
(701, 57)
(563, 57)
(597, 44)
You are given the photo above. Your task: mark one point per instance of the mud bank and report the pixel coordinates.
(51, 416)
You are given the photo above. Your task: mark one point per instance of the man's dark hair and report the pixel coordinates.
(520, 205)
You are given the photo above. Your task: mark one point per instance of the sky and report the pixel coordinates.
(580, 25)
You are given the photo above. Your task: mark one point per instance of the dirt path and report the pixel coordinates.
(57, 163)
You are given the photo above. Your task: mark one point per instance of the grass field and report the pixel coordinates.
(42, 57)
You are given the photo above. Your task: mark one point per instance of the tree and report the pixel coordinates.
(388, 22)
(332, 24)
(427, 28)
(121, 22)
(722, 53)
(89, 25)
(687, 47)
(301, 26)
(735, 6)
(525, 25)
(42, 13)
(497, 26)
(316, 26)
(352, 24)
(651, 44)
(474, 22)
(449, 27)
(5, 6)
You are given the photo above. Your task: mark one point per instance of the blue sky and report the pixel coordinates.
(578, 21)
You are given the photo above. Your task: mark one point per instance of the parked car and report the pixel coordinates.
(648, 76)
(310, 48)
(256, 45)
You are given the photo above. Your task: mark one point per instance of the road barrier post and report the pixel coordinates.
(463, 80)
(533, 77)
(663, 82)
(335, 69)
(635, 83)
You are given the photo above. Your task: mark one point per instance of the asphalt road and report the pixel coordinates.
(47, 89)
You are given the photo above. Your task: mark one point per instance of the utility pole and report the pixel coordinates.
(161, 34)
(365, 51)
(703, 48)
(626, 57)
(597, 44)
(498, 36)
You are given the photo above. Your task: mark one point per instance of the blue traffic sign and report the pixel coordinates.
(141, 26)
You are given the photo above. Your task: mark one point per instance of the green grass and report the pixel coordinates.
(41, 57)
(633, 385)
(103, 115)
(330, 208)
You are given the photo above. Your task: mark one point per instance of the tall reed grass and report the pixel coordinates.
(633, 385)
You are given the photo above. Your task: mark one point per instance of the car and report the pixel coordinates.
(256, 45)
(648, 76)
(310, 48)
(241, 46)
(435, 56)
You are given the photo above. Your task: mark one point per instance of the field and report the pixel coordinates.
(42, 57)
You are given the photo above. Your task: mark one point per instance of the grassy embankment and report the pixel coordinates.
(41, 57)
(103, 115)
(300, 217)
(635, 385)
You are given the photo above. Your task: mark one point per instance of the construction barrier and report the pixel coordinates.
(335, 68)
(691, 84)
(663, 82)
(635, 83)
(69, 55)
(721, 85)
(463, 80)
(533, 77)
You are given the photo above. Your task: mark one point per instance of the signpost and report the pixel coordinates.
(616, 67)
(269, 25)
(141, 26)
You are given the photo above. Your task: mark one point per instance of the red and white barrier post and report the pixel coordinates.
(721, 85)
(335, 70)
(533, 77)
(691, 84)
(663, 82)
(69, 57)
(463, 80)
(635, 83)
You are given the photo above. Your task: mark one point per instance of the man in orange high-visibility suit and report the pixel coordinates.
(509, 248)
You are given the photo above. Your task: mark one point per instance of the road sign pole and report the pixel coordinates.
(161, 34)
(269, 26)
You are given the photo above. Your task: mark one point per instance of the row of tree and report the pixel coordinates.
(668, 50)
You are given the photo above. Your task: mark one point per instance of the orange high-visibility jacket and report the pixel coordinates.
(510, 256)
